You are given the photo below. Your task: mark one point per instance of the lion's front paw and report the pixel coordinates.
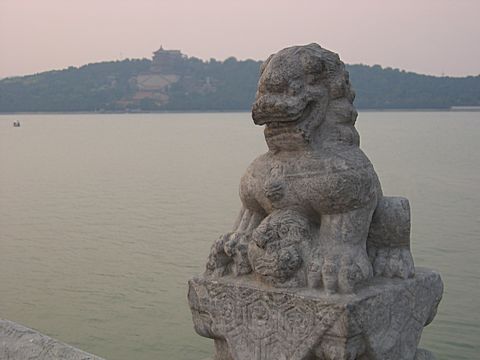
(392, 262)
(229, 254)
(218, 263)
(341, 273)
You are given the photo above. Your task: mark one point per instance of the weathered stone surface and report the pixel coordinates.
(318, 264)
(423, 354)
(18, 342)
(313, 174)
(251, 321)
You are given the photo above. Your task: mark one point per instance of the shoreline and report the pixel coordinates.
(217, 111)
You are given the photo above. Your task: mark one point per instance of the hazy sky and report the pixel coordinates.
(425, 36)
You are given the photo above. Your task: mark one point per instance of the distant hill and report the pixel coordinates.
(387, 88)
(175, 82)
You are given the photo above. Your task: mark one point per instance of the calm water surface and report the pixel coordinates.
(103, 219)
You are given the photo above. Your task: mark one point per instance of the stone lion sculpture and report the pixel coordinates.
(313, 213)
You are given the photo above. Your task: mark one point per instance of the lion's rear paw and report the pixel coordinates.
(393, 262)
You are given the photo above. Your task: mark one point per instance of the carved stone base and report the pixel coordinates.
(248, 321)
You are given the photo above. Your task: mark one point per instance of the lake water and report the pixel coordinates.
(104, 218)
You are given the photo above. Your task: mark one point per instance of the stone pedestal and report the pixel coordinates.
(251, 321)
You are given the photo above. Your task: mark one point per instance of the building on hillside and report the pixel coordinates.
(167, 61)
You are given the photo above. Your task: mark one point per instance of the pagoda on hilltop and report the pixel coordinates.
(167, 61)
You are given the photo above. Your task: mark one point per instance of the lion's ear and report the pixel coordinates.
(265, 63)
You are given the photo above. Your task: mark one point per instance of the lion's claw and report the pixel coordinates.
(229, 254)
(344, 272)
(393, 262)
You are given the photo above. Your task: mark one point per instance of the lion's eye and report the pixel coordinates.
(275, 83)
(294, 88)
(275, 87)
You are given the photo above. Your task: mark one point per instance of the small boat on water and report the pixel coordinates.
(16, 123)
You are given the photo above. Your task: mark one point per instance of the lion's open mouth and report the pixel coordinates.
(280, 124)
(276, 127)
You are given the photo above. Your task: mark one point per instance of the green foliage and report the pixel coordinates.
(234, 81)
(387, 88)
(88, 88)
(216, 85)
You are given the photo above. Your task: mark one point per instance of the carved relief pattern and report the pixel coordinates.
(268, 325)
(274, 324)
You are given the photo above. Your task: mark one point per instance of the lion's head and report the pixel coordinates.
(304, 96)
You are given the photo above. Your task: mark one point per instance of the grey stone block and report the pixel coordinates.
(248, 321)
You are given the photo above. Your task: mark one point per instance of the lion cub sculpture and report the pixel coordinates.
(313, 213)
